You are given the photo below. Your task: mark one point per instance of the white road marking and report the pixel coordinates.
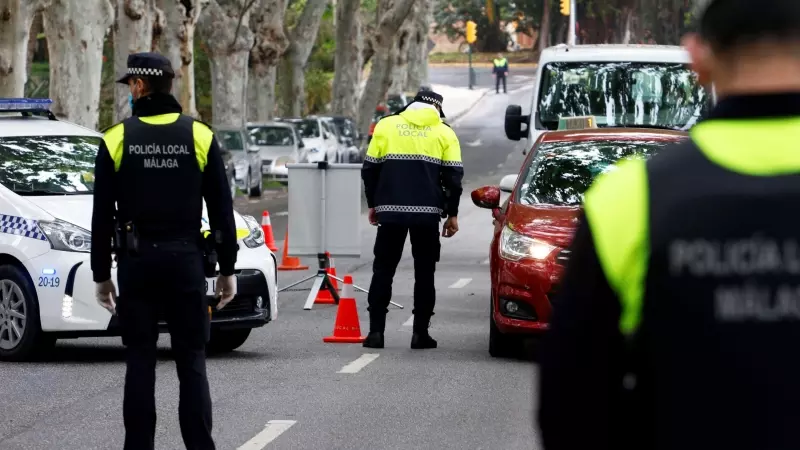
(460, 283)
(360, 363)
(271, 431)
(409, 322)
(474, 144)
(281, 214)
(486, 261)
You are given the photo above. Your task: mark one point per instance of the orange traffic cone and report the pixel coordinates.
(347, 329)
(332, 271)
(266, 226)
(289, 262)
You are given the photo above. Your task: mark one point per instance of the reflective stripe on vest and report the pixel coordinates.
(617, 206)
(203, 137)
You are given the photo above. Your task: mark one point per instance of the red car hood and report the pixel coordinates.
(553, 224)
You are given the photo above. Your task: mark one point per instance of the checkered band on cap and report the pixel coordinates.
(145, 71)
(430, 100)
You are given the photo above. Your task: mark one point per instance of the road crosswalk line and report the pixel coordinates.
(271, 431)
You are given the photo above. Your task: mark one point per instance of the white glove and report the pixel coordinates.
(226, 289)
(106, 294)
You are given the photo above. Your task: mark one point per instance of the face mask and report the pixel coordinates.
(130, 101)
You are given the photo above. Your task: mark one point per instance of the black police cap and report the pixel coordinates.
(431, 98)
(147, 64)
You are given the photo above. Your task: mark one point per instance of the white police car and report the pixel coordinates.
(46, 286)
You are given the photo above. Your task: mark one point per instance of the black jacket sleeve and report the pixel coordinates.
(451, 175)
(582, 360)
(370, 174)
(217, 194)
(104, 207)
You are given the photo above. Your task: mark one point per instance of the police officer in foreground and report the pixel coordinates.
(500, 71)
(412, 176)
(158, 166)
(679, 316)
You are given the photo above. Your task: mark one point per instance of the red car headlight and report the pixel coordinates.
(515, 246)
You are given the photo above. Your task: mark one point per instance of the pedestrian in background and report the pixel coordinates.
(157, 166)
(680, 307)
(412, 176)
(500, 72)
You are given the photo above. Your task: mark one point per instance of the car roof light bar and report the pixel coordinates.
(25, 104)
(577, 123)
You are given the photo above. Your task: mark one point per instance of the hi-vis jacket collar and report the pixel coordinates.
(757, 106)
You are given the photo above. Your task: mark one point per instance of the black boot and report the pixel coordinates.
(374, 340)
(421, 341)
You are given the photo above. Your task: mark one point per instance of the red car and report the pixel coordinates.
(534, 227)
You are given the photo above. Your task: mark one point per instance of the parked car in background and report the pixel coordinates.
(318, 137)
(352, 139)
(380, 112)
(278, 144)
(230, 171)
(396, 102)
(246, 163)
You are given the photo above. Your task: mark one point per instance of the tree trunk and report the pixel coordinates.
(134, 34)
(225, 25)
(627, 34)
(270, 44)
(393, 14)
(16, 18)
(301, 41)
(348, 58)
(418, 48)
(75, 35)
(400, 52)
(544, 31)
(177, 44)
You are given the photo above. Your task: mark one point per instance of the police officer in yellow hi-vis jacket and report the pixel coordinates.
(157, 167)
(412, 176)
(679, 316)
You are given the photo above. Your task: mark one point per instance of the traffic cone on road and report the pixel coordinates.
(289, 262)
(269, 237)
(347, 328)
(332, 271)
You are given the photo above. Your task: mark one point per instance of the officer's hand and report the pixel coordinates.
(373, 219)
(106, 294)
(226, 290)
(450, 227)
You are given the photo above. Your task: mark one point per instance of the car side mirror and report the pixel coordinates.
(487, 197)
(514, 121)
(507, 183)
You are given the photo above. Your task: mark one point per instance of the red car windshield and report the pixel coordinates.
(560, 172)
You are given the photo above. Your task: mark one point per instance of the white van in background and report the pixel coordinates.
(646, 86)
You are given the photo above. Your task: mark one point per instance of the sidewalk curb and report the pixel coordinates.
(452, 119)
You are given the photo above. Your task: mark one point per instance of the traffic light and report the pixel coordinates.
(565, 10)
(472, 32)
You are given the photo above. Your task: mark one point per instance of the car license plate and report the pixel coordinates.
(211, 285)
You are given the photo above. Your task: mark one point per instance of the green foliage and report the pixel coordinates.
(319, 90)
(491, 38)
(202, 80)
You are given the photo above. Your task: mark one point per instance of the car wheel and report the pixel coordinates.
(255, 191)
(223, 341)
(502, 345)
(21, 334)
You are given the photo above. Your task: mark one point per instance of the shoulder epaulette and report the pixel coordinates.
(204, 123)
(104, 130)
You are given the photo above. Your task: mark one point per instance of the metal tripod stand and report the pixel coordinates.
(322, 279)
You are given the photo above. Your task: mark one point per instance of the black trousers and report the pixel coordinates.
(165, 280)
(425, 248)
(499, 77)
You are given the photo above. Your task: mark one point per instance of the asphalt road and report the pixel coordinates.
(459, 76)
(294, 391)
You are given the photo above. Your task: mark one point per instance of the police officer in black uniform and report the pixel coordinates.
(412, 178)
(157, 167)
(679, 313)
